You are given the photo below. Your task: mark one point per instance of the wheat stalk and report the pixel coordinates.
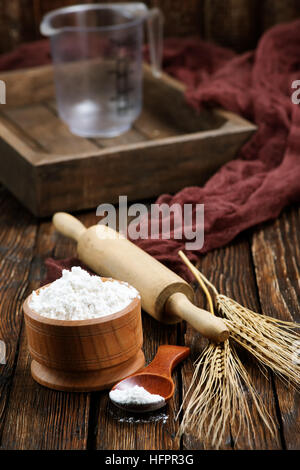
(272, 341)
(273, 346)
(216, 397)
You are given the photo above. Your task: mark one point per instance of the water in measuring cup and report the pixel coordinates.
(105, 100)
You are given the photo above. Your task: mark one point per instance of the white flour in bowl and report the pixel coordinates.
(79, 296)
(134, 396)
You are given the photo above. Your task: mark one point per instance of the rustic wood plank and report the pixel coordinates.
(231, 271)
(25, 87)
(245, 19)
(130, 137)
(46, 419)
(13, 131)
(180, 18)
(12, 163)
(48, 130)
(139, 171)
(17, 241)
(10, 16)
(167, 95)
(154, 126)
(232, 23)
(278, 11)
(49, 419)
(276, 255)
(31, 428)
(155, 431)
(111, 428)
(192, 339)
(67, 172)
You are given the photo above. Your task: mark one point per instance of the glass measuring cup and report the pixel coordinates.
(97, 57)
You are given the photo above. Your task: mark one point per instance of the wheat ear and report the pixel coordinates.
(216, 397)
(273, 342)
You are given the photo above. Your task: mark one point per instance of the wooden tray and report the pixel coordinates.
(169, 147)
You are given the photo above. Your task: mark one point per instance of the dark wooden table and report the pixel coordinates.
(260, 269)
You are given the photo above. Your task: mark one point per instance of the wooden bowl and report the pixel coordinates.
(85, 355)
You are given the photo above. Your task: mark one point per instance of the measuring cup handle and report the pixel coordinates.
(155, 22)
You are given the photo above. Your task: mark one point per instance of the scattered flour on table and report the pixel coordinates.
(77, 295)
(134, 396)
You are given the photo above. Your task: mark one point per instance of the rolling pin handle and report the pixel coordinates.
(68, 225)
(203, 321)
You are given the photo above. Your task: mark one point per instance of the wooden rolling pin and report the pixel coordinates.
(165, 295)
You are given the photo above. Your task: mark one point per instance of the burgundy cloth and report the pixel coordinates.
(54, 268)
(26, 55)
(265, 176)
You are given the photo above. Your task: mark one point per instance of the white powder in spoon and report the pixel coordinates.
(134, 396)
(77, 295)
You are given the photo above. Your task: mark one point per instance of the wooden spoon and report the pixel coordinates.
(155, 378)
